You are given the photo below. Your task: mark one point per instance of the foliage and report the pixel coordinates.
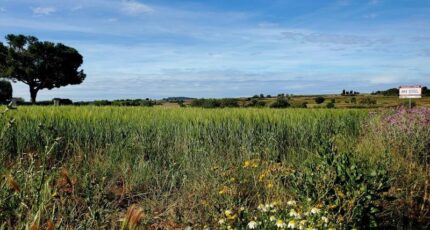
(351, 189)
(215, 103)
(368, 101)
(256, 103)
(388, 92)
(281, 102)
(40, 65)
(5, 91)
(349, 93)
(330, 105)
(319, 100)
(63, 101)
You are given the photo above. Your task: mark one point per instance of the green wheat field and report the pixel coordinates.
(191, 168)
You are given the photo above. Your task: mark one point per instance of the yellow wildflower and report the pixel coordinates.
(292, 224)
(280, 223)
(223, 190)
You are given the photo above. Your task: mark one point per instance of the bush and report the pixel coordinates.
(304, 105)
(344, 182)
(368, 101)
(256, 103)
(319, 100)
(281, 102)
(330, 105)
(63, 101)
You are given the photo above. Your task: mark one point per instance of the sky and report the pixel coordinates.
(229, 48)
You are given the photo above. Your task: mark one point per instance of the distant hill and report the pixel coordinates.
(178, 98)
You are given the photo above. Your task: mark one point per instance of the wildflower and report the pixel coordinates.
(292, 224)
(275, 203)
(269, 185)
(291, 203)
(252, 225)
(223, 190)
(250, 164)
(221, 221)
(280, 223)
(324, 219)
(263, 208)
(242, 209)
(315, 210)
(293, 213)
(272, 218)
(230, 215)
(302, 224)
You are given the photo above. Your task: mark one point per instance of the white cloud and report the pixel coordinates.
(384, 80)
(44, 10)
(136, 8)
(76, 8)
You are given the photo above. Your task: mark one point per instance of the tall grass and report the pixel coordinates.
(84, 167)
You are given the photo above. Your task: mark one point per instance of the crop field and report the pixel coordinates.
(112, 167)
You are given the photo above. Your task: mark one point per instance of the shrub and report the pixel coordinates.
(281, 102)
(330, 105)
(345, 183)
(64, 101)
(304, 105)
(319, 100)
(368, 101)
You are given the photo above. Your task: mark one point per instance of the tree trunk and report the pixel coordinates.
(33, 94)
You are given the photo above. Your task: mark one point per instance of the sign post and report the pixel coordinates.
(409, 92)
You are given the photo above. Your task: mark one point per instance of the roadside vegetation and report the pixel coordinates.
(157, 168)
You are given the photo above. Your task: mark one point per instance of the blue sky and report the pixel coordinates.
(228, 48)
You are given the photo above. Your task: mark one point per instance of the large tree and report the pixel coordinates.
(40, 65)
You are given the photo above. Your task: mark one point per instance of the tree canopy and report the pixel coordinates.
(40, 64)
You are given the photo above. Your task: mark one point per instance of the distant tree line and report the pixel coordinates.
(388, 92)
(349, 93)
(425, 91)
(255, 101)
(215, 103)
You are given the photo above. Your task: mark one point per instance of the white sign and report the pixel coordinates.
(410, 91)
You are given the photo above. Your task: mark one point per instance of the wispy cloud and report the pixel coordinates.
(325, 38)
(76, 8)
(375, 2)
(371, 15)
(132, 7)
(44, 10)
